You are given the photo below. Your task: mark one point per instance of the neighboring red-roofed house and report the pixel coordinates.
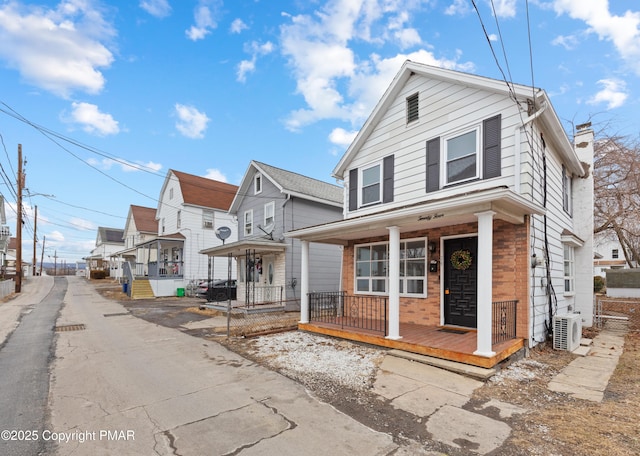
(190, 210)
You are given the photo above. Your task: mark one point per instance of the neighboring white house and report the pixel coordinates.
(190, 211)
(608, 254)
(468, 210)
(108, 241)
(269, 202)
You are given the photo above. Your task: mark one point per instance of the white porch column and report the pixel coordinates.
(485, 283)
(394, 283)
(304, 283)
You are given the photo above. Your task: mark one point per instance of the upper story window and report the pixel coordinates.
(412, 108)
(614, 254)
(207, 219)
(372, 184)
(162, 225)
(461, 157)
(248, 223)
(178, 219)
(269, 213)
(371, 179)
(257, 183)
(171, 193)
(567, 183)
(465, 156)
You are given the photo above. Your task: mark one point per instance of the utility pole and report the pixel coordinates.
(20, 185)
(35, 240)
(44, 239)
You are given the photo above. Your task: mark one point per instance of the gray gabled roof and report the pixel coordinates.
(293, 184)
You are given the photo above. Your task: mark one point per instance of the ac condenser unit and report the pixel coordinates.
(567, 331)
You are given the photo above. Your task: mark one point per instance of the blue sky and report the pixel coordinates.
(105, 97)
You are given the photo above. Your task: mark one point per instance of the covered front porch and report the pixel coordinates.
(365, 320)
(448, 278)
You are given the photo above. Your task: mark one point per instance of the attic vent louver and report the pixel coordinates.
(412, 108)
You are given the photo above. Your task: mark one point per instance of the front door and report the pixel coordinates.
(460, 281)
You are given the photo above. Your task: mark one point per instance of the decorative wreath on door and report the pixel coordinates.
(461, 259)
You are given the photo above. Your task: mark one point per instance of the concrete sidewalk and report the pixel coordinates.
(587, 377)
(34, 289)
(437, 396)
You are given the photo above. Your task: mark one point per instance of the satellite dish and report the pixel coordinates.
(267, 229)
(223, 233)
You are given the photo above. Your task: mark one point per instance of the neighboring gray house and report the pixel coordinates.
(271, 201)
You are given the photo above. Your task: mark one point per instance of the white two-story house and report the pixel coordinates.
(468, 221)
(190, 211)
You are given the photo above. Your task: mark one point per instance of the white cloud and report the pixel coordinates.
(191, 122)
(92, 120)
(505, 8)
(334, 84)
(458, 8)
(342, 137)
(249, 66)
(237, 26)
(613, 94)
(206, 19)
(83, 224)
(569, 42)
(215, 174)
(59, 50)
(623, 31)
(157, 8)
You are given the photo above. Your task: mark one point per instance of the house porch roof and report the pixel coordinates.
(239, 248)
(506, 204)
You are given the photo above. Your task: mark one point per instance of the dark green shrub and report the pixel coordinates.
(98, 274)
(598, 284)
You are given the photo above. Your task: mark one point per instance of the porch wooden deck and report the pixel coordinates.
(452, 344)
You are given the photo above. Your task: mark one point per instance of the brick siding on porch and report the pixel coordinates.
(510, 272)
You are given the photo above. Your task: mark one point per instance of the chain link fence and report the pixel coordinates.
(616, 313)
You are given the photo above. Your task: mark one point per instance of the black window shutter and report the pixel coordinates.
(491, 147)
(387, 178)
(353, 189)
(433, 165)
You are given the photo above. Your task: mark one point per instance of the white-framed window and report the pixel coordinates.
(371, 184)
(461, 156)
(207, 219)
(615, 254)
(372, 267)
(269, 213)
(162, 225)
(171, 193)
(178, 219)
(257, 183)
(248, 222)
(569, 269)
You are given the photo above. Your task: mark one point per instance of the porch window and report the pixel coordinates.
(207, 219)
(569, 269)
(371, 179)
(269, 213)
(461, 156)
(248, 223)
(372, 268)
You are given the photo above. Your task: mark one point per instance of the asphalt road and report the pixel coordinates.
(24, 376)
(126, 386)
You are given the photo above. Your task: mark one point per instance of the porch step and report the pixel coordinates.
(141, 289)
(480, 373)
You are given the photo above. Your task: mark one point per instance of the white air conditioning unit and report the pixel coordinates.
(567, 331)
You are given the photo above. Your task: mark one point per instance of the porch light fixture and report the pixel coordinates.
(432, 247)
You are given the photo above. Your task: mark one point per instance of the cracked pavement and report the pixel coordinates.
(153, 390)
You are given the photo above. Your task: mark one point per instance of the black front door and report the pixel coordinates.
(460, 281)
